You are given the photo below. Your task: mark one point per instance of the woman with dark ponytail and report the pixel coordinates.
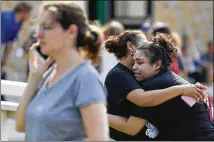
(66, 102)
(176, 119)
(93, 49)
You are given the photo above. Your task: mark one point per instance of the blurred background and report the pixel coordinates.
(191, 23)
(191, 18)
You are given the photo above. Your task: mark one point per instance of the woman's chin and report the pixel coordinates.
(44, 52)
(138, 78)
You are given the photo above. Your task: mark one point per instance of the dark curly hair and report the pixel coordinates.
(118, 44)
(160, 48)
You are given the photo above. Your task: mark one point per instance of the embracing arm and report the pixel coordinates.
(95, 122)
(130, 126)
(156, 97)
(133, 92)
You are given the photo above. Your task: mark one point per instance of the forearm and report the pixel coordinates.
(28, 94)
(156, 97)
(118, 123)
(95, 122)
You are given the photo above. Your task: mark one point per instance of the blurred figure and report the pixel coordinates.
(11, 22)
(146, 28)
(96, 23)
(206, 63)
(108, 60)
(67, 101)
(93, 52)
(113, 28)
(176, 40)
(190, 57)
(161, 27)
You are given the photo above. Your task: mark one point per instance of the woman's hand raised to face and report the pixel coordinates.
(38, 65)
(194, 90)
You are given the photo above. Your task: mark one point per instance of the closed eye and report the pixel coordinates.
(140, 63)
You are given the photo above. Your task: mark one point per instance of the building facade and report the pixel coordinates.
(194, 18)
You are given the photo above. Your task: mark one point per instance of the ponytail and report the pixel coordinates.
(92, 44)
(165, 41)
(118, 44)
(111, 44)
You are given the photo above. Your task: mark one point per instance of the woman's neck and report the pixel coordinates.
(127, 62)
(67, 60)
(154, 74)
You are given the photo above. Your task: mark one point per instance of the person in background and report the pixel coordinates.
(67, 102)
(146, 28)
(174, 119)
(11, 22)
(206, 64)
(190, 57)
(207, 61)
(176, 40)
(113, 28)
(125, 92)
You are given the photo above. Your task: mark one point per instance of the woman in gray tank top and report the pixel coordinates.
(67, 102)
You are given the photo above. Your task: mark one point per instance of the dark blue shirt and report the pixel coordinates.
(9, 26)
(175, 119)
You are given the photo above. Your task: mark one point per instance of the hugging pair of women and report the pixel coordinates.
(141, 89)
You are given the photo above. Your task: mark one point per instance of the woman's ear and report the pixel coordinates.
(72, 31)
(158, 65)
(131, 48)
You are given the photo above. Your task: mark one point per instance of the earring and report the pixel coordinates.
(132, 54)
